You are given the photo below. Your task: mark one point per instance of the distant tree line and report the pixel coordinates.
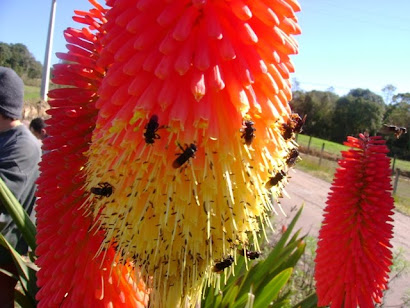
(19, 58)
(333, 118)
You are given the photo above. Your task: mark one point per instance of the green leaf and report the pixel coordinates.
(283, 300)
(264, 279)
(272, 289)
(242, 300)
(22, 300)
(308, 302)
(275, 257)
(289, 259)
(294, 258)
(26, 273)
(19, 215)
(229, 298)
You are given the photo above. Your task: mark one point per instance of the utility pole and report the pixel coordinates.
(47, 58)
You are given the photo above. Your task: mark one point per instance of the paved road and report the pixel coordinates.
(304, 188)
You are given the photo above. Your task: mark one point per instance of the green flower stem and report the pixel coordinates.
(19, 215)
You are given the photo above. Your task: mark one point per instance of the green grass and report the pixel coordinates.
(402, 164)
(402, 204)
(310, 164)
(31, 94)
(334, 149)
(317, 143)
(402, 196)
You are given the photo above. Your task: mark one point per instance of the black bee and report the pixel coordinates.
(248, 132)
(186, 154)
(104, 189)
(294, 125)
(396, 130)
(219, 267)
(274, 180)
(151, 129)
(292, 156)
(298, 122)
(252, 255)
(287, 131)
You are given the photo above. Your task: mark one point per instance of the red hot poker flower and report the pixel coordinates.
(353, 254)
(71, 275)
(193, 134)
(176, 133)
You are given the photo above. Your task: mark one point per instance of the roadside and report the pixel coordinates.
(306, 189)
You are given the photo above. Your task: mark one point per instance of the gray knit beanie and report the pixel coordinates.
(11, 93)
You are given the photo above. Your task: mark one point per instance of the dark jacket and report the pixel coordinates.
(20, 154)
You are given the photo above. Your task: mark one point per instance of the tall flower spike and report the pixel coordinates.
(70, 274)
(353, 254)
(189, 133)
(192, 135)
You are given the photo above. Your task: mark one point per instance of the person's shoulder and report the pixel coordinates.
(26, 139)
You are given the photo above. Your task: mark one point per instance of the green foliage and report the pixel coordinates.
(19, 215)
(359, 111)
(26, 275)
(366, 95)
(319, 107)
(310, 301)
(263, 284)
(26, 269)
(302, 284)
(334, 118)
(19, 58)
(31, 94)
(398, 113)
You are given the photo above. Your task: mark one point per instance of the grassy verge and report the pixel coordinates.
(402, 164)
(310, 164)
(334, 149)
(317, 143)
(326, 170)
(31, 94)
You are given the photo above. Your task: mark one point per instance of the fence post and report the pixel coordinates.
(396, 181)
(321, 153)
(394, 164)
(310, 139)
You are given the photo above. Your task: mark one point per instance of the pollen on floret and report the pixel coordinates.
(191, 188)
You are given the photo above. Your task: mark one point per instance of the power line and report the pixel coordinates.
(356, 14)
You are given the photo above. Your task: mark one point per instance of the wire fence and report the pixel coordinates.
(326, 154)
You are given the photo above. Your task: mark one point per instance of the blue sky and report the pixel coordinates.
(345, 44)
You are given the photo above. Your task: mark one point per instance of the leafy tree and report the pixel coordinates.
(398, 113)
(388, 91)
(319, 107)
(5, 54)
(361, 110)
(19, 58)
(401, 98)
(367, 95)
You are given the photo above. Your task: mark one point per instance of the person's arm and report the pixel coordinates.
(10, 171)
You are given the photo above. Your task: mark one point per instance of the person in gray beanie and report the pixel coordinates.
(19, 157)
(11, 93)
